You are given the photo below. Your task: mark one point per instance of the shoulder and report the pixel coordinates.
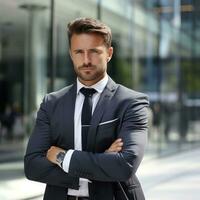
(131, 95)
(55, 96)
(134, 104)
(124, 93)
(53, 99)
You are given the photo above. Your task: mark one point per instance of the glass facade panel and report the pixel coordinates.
(65, 11)
(118, 17)
(24, 28)
(156, 51)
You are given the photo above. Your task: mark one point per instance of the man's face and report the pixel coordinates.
(90, 56)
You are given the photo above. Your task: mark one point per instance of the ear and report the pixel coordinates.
(110, 53)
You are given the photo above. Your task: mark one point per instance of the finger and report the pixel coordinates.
(116, 149)
(117, 140)
(120, 144)
(119, 149)
(117, 144)
(51, 148)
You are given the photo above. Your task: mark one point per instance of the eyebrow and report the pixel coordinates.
(95, 48)
(77, 50)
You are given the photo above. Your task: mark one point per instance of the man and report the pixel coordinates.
(81, 157)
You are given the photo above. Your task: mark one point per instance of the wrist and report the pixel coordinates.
(60, 157)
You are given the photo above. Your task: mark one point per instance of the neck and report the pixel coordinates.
(91, 82)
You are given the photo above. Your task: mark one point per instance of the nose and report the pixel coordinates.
(86, 58)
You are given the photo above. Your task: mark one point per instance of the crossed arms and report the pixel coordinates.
(112, 165)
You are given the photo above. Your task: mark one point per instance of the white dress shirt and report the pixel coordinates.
(99, 87)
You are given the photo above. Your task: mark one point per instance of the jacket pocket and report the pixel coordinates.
(109, 122)
(131, 192)
(106, 134)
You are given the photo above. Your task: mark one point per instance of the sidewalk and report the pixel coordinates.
(14, 185)
(175, 177)
(170, 178)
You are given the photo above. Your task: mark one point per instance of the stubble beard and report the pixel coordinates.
(93, 75)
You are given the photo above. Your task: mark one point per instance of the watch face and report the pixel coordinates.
(60, 157)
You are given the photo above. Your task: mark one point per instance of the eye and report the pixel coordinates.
(95, 51)
(79, 51)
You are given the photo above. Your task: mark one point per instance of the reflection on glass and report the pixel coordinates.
(156, 48)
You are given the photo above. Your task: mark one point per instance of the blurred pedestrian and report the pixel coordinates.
(7, 121)
(81, 156)
(18, 128)
(156, 133)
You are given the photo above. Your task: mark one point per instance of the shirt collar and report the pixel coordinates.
(99, 86)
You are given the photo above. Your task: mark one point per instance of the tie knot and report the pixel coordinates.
(88, 92)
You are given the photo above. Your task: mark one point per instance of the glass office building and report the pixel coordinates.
(156, 51)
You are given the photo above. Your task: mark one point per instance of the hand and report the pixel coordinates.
(52, 153)
(116, 146)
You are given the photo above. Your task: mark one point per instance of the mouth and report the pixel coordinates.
(87, 68)
(87, 71)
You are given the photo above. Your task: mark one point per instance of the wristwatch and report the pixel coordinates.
(60, 157)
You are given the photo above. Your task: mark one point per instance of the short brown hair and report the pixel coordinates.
(89, 25)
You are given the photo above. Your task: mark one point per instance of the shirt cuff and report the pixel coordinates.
(67, 159)
(84, 180)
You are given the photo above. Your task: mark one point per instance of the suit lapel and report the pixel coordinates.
(68, 106)
(98, 112)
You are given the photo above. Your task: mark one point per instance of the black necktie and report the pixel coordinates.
(86, 113)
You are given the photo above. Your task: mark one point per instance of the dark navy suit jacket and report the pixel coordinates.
(120, 113)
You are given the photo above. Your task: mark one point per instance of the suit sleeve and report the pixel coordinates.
(117, 166)
(36, 165)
